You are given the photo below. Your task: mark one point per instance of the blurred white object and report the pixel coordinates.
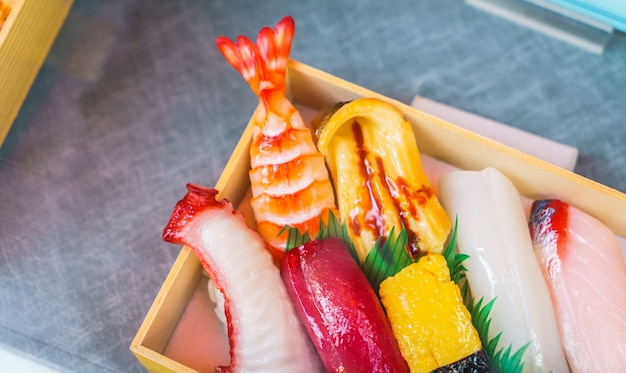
(14, 363)
(609, 12)
(558, 154)
(566, 24)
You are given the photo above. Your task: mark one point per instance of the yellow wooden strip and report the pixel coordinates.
(159, 323)
(25, 39)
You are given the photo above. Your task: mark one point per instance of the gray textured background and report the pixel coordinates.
(134, 101)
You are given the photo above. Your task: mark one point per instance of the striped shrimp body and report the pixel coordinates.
(289, 180)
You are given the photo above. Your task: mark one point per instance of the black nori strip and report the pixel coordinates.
(478, 362)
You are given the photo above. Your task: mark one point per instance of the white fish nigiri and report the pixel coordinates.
(584, 267)
(264, 331)
(493, 231)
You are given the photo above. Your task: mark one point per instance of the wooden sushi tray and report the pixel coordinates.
(167, 341)
(25, 39)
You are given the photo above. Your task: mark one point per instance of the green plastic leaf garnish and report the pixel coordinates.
(331, 229)
(334, 229)
(386, 258)
(294, 237)
(455, 260)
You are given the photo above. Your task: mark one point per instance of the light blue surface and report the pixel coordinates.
(611, 12)
(134, 101)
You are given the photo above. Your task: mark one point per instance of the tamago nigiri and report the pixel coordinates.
(583, 265)
(432, 325)
(493, 231)
(289, 180)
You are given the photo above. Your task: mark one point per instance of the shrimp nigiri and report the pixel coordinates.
(289, 180)
(264, 331)
(493, 231)
(583, 265)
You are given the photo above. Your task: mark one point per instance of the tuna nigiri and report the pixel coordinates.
(493, 231)
(339, 308)
(264, 331)
(583, 265)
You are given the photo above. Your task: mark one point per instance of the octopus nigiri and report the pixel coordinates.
(264, 331)
(339, 308)
(583, 265)
(493, 231)
(289, 180)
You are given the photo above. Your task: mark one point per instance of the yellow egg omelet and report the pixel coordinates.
(426, 312)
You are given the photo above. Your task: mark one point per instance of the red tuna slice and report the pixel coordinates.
(264, 331)
(339, 308)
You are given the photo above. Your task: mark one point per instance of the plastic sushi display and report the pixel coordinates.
(354, 265)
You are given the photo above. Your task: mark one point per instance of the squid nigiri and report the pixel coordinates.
(264, 331)
(583, 265)
(492, 230)
(289, 180)
(339, 308)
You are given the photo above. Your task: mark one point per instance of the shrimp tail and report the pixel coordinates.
(262, 65)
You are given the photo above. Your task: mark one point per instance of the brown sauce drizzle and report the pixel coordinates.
(374, 218)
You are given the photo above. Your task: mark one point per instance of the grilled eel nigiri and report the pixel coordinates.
(380, 185)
